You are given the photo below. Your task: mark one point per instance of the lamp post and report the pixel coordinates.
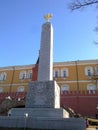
(25, 117)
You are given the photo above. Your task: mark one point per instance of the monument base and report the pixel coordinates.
(43, 110)
(43, 123)
(58, 124)
(40, 112)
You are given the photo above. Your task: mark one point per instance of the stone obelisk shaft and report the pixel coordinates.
(45, 68)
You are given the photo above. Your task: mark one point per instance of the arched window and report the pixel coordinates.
(64, 88)
(29, 74)
(89, 71)
(20, 89)
(56, 73)
(91, 88)
(1, 89)
(3, 76)
(64, 73)
(22, 75)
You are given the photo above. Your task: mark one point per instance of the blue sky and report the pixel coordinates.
(20, 31)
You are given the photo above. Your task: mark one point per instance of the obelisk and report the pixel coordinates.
(44, 93)
(45, 68)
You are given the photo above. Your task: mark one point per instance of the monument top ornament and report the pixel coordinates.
(48, 16)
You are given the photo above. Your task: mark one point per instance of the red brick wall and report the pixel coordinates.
(35, 72)
(83, 103)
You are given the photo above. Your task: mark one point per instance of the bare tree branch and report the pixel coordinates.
(96, 29)
(77, 4)
(95, 42)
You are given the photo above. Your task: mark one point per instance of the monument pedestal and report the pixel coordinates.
(43, 94)
(43, 100)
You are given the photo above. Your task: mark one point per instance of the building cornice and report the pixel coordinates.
(17, 67)
(18, 84)
(78, 62)
(55, 64)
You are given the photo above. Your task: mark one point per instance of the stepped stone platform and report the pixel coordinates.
(43, 123)
(40, 112)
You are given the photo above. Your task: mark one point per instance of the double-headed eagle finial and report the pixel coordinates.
(48, 16)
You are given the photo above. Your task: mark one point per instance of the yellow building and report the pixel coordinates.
(71, 76)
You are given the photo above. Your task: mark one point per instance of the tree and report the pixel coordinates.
(77, 4)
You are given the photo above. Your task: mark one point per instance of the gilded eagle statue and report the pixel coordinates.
(47, 17)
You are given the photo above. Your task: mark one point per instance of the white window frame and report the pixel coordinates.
(22, 75)
(88, 71)
(64, 88)
(91, 88)
(20, 89)
(56, 73)
(1, 89)
(96, 70)
(66, 73)
(3, 76)
(29, 74)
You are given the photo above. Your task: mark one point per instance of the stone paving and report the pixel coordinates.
(91, 129)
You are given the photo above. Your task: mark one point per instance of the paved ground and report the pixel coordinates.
(90, 128)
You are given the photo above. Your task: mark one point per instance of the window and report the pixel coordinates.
(64, 88)
(89, 71)
(91, 87)
(3, 76)
(1, 89)
(96, 70)
(20, 89)
(22, 75)
(56, 73)
(29, 74)
(64, 73)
